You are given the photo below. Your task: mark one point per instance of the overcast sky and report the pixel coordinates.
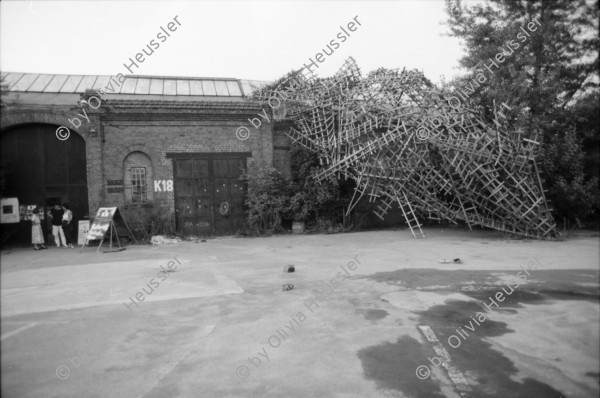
(259, 40)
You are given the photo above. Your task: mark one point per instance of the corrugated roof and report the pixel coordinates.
(136, 85)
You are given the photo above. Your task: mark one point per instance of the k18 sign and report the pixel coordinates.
(163, 185)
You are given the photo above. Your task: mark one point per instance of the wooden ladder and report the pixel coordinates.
(382, 211)
(409, 216)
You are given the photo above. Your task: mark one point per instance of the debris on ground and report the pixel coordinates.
(289, 268)
(163, 240)
(455, 261)
(287, 286)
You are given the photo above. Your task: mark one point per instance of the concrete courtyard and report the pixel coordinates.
(371, 314)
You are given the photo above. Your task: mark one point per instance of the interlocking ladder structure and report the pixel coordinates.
(406, 143)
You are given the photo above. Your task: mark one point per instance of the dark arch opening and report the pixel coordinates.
(42, 170)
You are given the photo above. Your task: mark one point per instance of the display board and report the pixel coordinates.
(10, 211)
(105, 223)
(82, 231)
(101, 223)
(26, 211)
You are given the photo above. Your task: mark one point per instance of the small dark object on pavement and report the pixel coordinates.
(289, 268)
(455, 261)
(287, 286)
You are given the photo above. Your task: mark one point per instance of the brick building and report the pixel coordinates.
(162, 149)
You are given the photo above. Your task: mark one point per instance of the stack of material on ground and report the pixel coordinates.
(405, 142)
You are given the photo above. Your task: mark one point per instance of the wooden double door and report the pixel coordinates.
(209, 195)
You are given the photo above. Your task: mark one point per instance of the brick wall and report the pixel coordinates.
(123, 127)
(138, 130)
(157, 131)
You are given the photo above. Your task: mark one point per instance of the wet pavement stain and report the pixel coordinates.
(392, 366)
(581, 284)
(491, 370)
(511, 300)
(595, 376)
(373, 315)
(473, 356)
(445, 319)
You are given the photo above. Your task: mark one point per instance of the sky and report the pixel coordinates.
(256, 40)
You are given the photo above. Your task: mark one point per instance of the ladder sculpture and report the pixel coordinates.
(405, 142)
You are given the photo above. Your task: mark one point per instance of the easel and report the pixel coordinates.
(111, 229)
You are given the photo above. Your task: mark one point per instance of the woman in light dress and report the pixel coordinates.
(37, 236)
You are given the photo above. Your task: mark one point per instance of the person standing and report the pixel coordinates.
(56, 215)
(37, 236)
(67, 225)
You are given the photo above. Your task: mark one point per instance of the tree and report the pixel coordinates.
(550, 80)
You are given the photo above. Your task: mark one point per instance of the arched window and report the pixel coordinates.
(137, 170)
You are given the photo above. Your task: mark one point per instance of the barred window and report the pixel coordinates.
(138, 185)
(137, 178)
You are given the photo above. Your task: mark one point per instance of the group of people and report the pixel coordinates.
(61, 218)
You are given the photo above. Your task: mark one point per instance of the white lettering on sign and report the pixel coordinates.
(163, 185)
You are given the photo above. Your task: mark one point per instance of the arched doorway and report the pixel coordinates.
(43, 170)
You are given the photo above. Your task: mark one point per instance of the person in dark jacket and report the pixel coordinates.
(56, 215)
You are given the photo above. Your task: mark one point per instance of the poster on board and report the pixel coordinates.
(101, 223)
(10, 211)
(26, 211)
(82, 231)
(105, 222)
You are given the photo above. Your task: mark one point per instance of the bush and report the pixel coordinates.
(316, 204)
(146, 220)
(268, 200)
(272, 197)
